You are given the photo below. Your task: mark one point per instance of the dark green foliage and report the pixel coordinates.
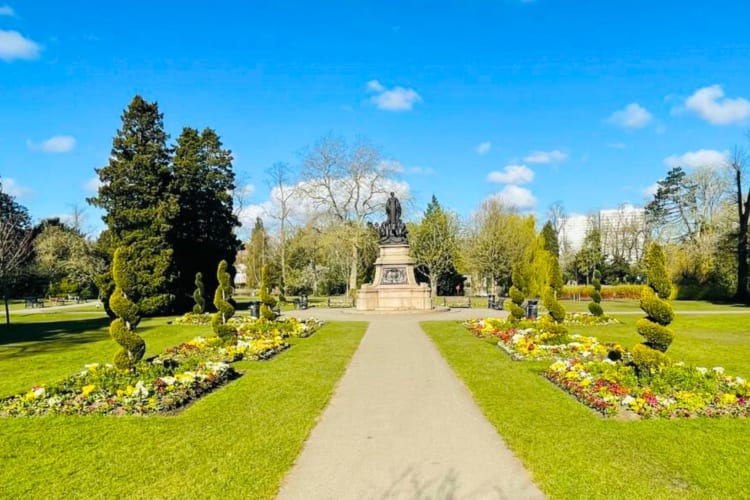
(199, 294)
(656, 270)
(203, 226)
(122, 328)
(595, 307)
(649, 356)
(222, 302)
(551, 243)
(555, 274)
(659, 311)
(268, 302)
(556, 310)
(139, 206)
(657, 336)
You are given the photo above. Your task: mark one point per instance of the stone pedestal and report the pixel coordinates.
(394, 287)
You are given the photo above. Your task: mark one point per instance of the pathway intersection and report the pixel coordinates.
(401, 425)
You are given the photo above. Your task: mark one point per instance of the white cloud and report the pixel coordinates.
(55, 144)
(395, 99)
(11, 187)
(515, 197)
(699, 158)
(394, 166)
(484, 147)
(512, 174)
(7, 10)
(710, 104)
(650, 191)
(554, 156)
(92, 185)
(374, 86)
(420, 170)
(632, 116)
(13, 46)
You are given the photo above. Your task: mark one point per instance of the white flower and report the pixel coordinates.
(39, 392)
(585, 354)
(167, 380)
(740, 380)
(701, 370)
(608, 361)
(718, 369)
(141, 389)
(627, 400)
(91, 366)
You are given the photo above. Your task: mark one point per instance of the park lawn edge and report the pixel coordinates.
(572, 452)
(239, 441)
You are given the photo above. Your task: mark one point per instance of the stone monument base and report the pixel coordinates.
(394, 287)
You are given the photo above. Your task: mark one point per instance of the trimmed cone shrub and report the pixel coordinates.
(595, 306)
(649, 356)
(199, 294)
(556, 310)
(121, 329)
(221, 301)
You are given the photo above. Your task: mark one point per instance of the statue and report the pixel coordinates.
(393, 230)
(393, 210)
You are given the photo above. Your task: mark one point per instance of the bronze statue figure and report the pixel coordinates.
(393, 230)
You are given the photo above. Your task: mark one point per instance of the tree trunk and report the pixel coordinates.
(433, 286)
(7, 311)
(353, 270)
(743, 211)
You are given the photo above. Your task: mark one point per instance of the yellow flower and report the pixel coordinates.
(728, 399)
(87, 389)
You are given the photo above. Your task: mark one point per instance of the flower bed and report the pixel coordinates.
(538, 340)
(587, 319)
(284, 327)
(154, 387)
(194, 319)
(164, 383)
(675, 391)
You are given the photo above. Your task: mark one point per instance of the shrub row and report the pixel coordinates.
(609, 292)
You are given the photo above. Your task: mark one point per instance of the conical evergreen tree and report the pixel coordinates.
(139, 208)
(203, 227)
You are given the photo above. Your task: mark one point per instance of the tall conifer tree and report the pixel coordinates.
(139, 207)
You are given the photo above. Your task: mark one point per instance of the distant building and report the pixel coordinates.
(240, 277)
(623, 232)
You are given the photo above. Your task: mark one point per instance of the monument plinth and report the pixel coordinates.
(394, 287)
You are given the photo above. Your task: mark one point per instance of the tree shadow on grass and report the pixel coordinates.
(25, 339)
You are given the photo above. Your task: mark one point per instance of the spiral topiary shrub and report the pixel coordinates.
(221, 301)
(199, 294)
(649, 355)
(122, 328)
(268, 302)
(555, 309)
(513, 306)
(595, 306)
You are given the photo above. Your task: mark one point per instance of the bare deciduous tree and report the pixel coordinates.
(15, 247)
(349, 185)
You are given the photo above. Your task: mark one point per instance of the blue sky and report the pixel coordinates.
(585, 102)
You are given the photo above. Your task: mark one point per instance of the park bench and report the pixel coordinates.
(340, 301)
(57, 301)
(33, 302)
(495, 302)
(457, 301)
(301, 302)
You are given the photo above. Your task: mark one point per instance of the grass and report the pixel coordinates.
(237, 442)
(631, 306)
(574, 453)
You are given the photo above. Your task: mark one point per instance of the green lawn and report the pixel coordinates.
(574, 453)
(631, 306)
(235, 443)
